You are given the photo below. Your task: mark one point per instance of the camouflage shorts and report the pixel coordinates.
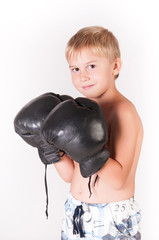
(109, 221)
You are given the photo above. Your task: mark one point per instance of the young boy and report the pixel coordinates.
(111, 212)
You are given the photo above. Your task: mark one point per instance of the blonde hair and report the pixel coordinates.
(98, 39)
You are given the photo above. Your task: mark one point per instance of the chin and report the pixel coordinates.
(90, 95)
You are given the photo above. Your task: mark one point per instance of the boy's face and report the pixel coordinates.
(92, 75)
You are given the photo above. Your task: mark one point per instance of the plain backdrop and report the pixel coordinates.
(33, 36)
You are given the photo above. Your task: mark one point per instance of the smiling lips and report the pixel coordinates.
(88, 87)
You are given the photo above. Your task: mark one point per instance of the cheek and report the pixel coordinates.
(75, 82)
(106, 76)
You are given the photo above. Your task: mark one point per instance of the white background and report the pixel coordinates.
(33, 36)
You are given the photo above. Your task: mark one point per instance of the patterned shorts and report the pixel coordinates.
(109, 221)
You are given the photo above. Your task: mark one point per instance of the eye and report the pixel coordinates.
(91, 66)
(75, 69)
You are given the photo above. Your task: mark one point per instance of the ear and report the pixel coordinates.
(117, 64)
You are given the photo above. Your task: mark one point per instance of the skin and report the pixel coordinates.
(94, 76)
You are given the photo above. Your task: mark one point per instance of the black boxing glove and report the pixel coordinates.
(78, 127)
(29, 119)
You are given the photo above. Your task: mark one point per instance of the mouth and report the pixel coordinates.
(88, 86)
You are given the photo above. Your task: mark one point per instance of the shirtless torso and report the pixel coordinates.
(103, 192)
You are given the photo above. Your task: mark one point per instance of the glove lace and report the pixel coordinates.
(89, 184)
(46, 189)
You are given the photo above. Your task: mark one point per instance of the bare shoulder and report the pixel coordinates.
(125, 111)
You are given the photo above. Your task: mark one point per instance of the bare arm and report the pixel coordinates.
(65, 168)
(125, 129)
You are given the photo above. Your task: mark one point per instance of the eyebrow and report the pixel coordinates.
(86, 63)
(71, 66)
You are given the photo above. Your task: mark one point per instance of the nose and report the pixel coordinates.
(84, 76)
